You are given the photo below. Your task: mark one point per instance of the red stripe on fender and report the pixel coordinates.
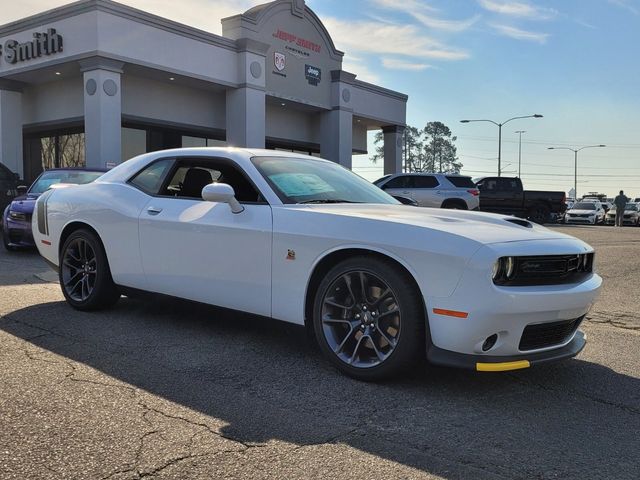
(46, 242)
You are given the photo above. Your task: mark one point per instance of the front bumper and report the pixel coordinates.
(625, 221)
(580, 220)
(18, 233)
(492, 363)
(478, 309)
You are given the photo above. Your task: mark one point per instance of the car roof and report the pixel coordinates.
(75, 169)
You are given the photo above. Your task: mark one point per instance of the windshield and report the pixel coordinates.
(301, 180)
(631, 207)
(584, 206)
(47, 179)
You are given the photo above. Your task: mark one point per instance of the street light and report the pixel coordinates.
(537, 115)
(575, 171)
(520, 132)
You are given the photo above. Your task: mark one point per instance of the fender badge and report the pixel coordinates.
(291, 254)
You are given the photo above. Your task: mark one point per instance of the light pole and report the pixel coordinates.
(520, 132)
(499, 125)
(575, 159)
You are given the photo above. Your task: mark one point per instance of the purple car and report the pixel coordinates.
(16, 219)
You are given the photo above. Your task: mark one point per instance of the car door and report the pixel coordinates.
(202, 251)
(496, 195)
(426, 190)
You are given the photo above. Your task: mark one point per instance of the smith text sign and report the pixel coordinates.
(45, 43)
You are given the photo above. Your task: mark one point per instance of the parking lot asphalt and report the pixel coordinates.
(159, 388)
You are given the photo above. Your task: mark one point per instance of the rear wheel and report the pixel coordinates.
(454, 205)
(84, 273)
(368, 319)
(539, 214)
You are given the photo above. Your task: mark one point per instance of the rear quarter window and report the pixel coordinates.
(462, 182)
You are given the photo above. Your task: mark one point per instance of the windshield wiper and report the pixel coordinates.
(328, 200)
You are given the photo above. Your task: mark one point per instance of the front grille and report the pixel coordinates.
(544, 335)
(548, 270)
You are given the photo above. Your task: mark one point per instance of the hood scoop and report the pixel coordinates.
(520, 222)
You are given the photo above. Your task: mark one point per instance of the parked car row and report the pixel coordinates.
(504, 195)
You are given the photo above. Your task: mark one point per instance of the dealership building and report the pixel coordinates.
(96, 82)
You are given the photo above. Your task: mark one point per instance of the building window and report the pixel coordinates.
(134, 142)
(71, 150)
(188, 141)
(57, 149)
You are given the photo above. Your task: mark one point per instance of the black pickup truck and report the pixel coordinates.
(505, 195)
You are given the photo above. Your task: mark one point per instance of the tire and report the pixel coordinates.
(349, 325)
(5, 242)
(539, 214)
(84, 274)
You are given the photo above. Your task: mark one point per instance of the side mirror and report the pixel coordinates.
(222, 193)
(22, 189)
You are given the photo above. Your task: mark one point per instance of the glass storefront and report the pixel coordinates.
(134, 142)
(62, 148)
(46, 150)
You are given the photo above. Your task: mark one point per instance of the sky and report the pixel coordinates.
(576, 62)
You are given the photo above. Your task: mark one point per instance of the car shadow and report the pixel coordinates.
(265, 381)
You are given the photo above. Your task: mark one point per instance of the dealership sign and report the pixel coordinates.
(280, 61)
(312, 74)
(43, 43)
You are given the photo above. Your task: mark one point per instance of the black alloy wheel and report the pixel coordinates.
(368, 319)
(84, 273)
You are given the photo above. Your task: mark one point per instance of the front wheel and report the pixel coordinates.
(84, 273)
(368, 319)
(5, 242)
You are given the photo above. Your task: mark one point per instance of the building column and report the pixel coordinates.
(11, 130)
(336, 136)
(392, 149)
(102, 112)
(246, 105)
(246, 117)
(336, 125)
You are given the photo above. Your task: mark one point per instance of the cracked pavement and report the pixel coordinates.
(158, 388)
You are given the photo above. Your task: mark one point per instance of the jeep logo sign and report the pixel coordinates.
(312, 74)
(45, 43)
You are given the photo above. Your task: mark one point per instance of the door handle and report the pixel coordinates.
(153, 210)
(406, 192)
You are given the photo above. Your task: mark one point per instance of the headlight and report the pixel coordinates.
(497, 268)
(17, 215)
(503, 267)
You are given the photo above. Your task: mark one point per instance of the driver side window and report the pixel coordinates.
(190, 176)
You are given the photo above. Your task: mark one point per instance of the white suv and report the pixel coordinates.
(439, 190)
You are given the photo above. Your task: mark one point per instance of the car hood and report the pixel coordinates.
(482, 227)
(582, 212)
(24, 203)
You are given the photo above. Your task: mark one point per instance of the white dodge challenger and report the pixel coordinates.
(304, 240)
